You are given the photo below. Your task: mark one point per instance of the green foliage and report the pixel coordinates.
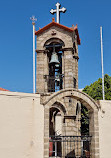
(84, 120)
(95, 89)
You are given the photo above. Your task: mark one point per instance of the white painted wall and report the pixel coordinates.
(21, 125)
(105, 129)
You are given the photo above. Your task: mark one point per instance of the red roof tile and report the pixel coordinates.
(2, 89)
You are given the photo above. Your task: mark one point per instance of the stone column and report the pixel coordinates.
(46, 132)
(41, 70)
(75, 65)
(63, 68)
(71, 128)
(75, 70)
(94, 132)
(46, 71)
(68, 73)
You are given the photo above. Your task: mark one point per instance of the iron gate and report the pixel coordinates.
(69, 146)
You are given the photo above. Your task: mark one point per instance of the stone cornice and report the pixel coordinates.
(42, 51)
(68, 49)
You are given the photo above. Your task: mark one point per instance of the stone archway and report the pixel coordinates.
(52, 40)
(88, 102)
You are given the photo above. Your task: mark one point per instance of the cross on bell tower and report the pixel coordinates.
(57, 11)
(57, 56)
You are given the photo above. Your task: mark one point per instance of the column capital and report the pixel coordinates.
(42, 51)
(68, 49)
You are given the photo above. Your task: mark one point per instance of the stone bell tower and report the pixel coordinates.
(57, 57)
(57, 71)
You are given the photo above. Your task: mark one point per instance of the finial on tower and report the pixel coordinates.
(33, 19)
(57, 11)
(53, 19)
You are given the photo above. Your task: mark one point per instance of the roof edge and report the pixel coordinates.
(53, 23)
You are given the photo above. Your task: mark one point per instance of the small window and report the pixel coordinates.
(74, 80)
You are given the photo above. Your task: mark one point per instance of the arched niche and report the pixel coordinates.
(55, 62)
(60, 105)
(91, 105)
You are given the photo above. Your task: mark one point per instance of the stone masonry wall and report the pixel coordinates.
(65, 36)
(42, 69)
(68, 74)
(69, 61)
(71, 126)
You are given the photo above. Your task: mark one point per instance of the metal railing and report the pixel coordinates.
(69, 146)
(54, 83)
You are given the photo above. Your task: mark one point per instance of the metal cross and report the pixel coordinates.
(33, 19)
(58, 10)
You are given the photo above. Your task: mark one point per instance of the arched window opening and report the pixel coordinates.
(55, 129)
(55, 77)
(79, 129)
(84, 120)
(85, 131)
(78, 144)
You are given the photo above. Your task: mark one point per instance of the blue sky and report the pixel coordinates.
(16, 38)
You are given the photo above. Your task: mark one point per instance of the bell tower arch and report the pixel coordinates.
(57, 58)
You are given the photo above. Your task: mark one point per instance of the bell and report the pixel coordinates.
(54, 58)
(57, 65)
(57, 79)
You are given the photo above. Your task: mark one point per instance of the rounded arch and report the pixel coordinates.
(77, 94)
(50, 39)
(60, 106)
(91, 105)
(54, 40)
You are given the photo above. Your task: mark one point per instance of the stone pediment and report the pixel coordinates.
(57, 25)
